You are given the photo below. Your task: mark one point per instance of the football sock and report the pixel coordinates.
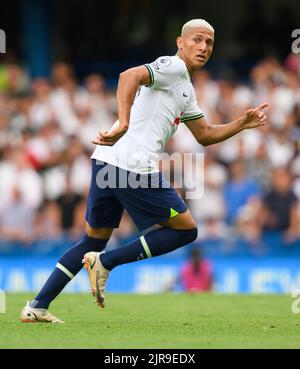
(154, 243)
(66, 268)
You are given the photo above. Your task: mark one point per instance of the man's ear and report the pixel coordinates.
(179, 42)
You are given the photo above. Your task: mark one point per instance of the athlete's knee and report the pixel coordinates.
(193, 234)
(98, 233)
(183, 221)
(190, 224)
(189, 235)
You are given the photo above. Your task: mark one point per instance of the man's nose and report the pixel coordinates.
(203, 47)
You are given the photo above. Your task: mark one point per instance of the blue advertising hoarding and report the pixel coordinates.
(230, 274)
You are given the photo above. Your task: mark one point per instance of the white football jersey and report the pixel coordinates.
(155, 115)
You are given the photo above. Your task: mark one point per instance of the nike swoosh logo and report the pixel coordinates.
(185, 95)
(92, 265)
(36, 318)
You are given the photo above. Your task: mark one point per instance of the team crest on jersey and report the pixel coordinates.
(165, 61)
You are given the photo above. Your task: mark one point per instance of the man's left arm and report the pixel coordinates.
(208, 134)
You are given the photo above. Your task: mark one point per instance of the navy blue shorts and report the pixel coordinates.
(149, 199)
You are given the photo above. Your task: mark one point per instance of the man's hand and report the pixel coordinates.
(254, 117)
(109, 138)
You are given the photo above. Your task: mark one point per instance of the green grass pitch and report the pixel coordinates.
(157, 321)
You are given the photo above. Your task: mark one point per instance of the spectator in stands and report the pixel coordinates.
(259, 167)
(101, 108)
(239, 190)
(17, 171)
(41, 110)
(69, 205)
(247, 227)
(280, 148)
(16, 80)
(17, 219)
(207, 205)
(196, 275)
(279, 210)
(48, 221)
(69, 100)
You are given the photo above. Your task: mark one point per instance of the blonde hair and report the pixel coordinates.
(195, 23)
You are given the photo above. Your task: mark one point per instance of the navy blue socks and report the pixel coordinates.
(158, 242)
(66, 268)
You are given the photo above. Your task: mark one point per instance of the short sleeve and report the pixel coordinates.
(165, 71)
(192, 111)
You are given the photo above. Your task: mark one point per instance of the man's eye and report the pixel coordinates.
(197, 39)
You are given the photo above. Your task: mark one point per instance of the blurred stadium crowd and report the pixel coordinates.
(252, 181)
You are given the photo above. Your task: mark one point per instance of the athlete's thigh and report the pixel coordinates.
(151, 205)
(104, 209)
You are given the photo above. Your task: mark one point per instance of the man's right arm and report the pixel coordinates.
(129, 83)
